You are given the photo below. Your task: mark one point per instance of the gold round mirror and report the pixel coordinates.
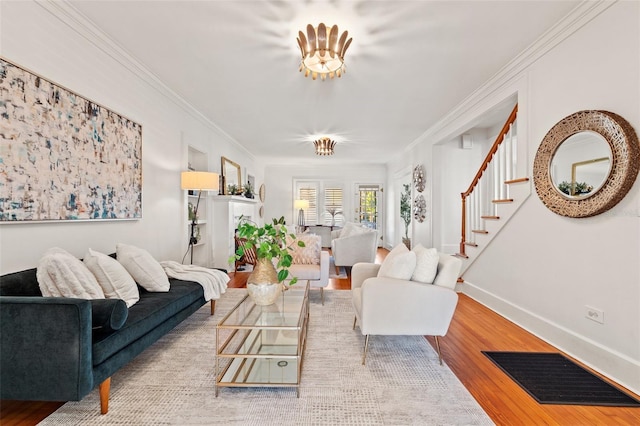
(581, 165)
(586, 163)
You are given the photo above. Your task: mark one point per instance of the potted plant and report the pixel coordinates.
(269, 243)
(405, 213)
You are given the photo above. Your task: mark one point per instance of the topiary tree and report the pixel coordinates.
(405, 208)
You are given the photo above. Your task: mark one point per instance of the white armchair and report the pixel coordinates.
(310, 263)
(352, 244)
(389, 306)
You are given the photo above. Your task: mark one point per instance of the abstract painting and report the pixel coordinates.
(62, 156)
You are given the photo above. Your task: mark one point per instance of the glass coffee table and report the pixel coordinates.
(262, 346)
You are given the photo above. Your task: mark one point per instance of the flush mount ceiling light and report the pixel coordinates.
(322, 52)
(324, 146)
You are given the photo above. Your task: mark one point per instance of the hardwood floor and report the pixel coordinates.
(474, 328)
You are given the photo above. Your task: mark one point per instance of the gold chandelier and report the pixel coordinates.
(322, 51)
(324, 146)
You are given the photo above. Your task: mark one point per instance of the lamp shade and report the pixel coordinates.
(301, 204)
(200, 181)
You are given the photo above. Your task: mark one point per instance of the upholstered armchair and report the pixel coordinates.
(393, 306)
(352, 244)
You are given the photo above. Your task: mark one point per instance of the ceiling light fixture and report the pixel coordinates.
(324, 146)
(322, 51)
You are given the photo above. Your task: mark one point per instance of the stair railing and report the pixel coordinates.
(499, 167)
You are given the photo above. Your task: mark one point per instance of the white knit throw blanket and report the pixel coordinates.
(213, 281)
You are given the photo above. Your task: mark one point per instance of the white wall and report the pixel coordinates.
(35, 38)
(279, 185)
(542, 269)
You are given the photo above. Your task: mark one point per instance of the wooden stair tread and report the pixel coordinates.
(490, 217)
(506, 200)
(524, 179)
(479, 231)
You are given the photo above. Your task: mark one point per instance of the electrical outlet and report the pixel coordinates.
(594, 314)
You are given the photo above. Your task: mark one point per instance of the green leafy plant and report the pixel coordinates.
(269, 242)
(405, 208)
(248, 190)
(280, 221)
(579, 188)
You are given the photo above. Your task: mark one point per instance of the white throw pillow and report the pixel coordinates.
(144, 269)
(310, 253)
(113, 278)
(426, 264)
(349, 229)
(399, 263)
(60, 274)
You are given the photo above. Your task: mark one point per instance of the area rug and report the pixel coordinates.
(172, 382)
(552, 378)
(342, 274)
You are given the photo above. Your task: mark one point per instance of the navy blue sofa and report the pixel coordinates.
(60, 349)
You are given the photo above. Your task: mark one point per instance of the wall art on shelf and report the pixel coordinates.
(62, 156)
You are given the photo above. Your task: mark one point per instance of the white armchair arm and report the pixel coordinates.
(390, 306)
(361, 271)
(325, 259)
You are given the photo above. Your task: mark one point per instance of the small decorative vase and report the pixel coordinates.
(407, 242)
(262, 285)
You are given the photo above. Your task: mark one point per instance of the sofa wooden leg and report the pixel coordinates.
(213, 306)
(355, 320)
(104, 396)
(322, 295)
(438, 349)
(366, 345)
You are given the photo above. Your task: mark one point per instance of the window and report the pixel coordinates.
(333, 214)
(368, 205)
(309, 191)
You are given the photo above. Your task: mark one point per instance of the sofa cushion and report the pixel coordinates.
(310, 253)
(152, 309)
(399, 263)
(426, 264)
(60, 274)
(113, 278)
(22, 283)
(144, 269)
(108, 314)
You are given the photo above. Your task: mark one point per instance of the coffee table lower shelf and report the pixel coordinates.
(263, 346)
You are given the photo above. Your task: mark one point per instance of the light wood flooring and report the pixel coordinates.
(474, 328)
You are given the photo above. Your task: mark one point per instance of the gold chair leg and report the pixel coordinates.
(355, 319)
(438, 349)
(366, 345)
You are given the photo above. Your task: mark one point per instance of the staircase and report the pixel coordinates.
(493, 196)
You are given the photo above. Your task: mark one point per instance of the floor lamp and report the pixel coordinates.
(197, 181)
(302, 205)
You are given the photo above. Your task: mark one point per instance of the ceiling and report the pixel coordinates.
(409, 64)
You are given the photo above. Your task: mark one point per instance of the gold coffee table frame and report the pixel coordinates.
(263, 346)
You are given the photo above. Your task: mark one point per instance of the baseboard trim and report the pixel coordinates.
(616, 366)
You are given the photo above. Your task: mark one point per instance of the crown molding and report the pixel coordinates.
(572, 22)
(78, 22)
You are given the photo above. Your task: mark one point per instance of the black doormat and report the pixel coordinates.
(551, 378)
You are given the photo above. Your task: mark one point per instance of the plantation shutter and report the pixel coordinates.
(333, 206)
(309, 193)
